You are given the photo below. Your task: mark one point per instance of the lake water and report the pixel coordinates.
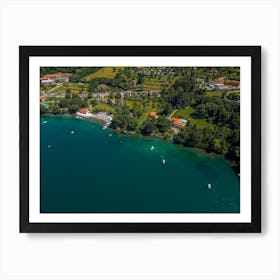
(91, 171)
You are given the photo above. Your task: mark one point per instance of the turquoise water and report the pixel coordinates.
(90, 171)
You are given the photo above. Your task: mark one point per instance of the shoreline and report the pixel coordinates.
(103, 122)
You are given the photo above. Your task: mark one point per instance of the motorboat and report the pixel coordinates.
(151, 148)
(209, 186)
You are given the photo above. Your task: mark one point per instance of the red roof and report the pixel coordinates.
(232, 83)
(153, 114)
(42, 97)
(83, 110)
(154, 91)
(219, 80)
(178, 123)
(51, 75)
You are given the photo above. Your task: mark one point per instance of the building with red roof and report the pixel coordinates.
(233, 83)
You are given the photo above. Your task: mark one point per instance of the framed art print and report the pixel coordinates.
(140, 138)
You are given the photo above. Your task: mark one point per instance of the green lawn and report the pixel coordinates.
(187, 114)
(106, 72)
(215, 93)
(152, 83)
(102, 107)
(75, 88)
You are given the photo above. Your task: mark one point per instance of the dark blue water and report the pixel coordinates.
(89, 171)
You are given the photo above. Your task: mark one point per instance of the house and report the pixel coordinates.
(133, 83)
(177, 123)
(233, 83)
(220, 80)
(42, 98)
(51, 78)
(153, 114)
(214, 71)
(84, 113)
(154, 92)
(64, 77)
(129, 92)
(102, 86)
(47, 81)
(219, 83)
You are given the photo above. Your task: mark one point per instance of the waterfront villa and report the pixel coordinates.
(178, 123)
(84, 113)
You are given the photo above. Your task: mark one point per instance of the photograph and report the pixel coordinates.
(140, 138)
(157, 139)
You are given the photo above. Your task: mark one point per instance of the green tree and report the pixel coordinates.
(148, 129)
(73, 109)
(162, 124)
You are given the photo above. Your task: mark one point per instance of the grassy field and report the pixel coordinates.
(102, 107)
(152, 83)
(106, 72)
(75, 88)
(214, 93)
(187, 114)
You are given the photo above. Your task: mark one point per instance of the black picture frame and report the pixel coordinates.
(25, 52)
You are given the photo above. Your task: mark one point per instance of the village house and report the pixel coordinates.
(52, 78)
(42, 98)
(154, 92)
(214, 71)
(102, 86)
(129, 92)
(84, 113)
(219, 83)
(47, 81)
(133, 83)
(233, 83)
(178, 123)
(153, 114)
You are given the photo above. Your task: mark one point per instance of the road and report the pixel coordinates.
(58, 86)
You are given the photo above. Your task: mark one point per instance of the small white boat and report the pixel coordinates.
(72, 131)
(49, 146)
(110, 134)
(209, 186)
(152, 147)
(104, 127)
(45, 122)
(163, 161)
